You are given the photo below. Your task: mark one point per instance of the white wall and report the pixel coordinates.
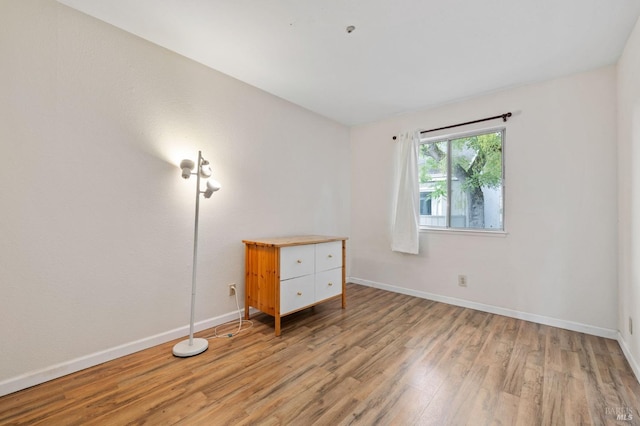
(558, 262)
(96, 226)
(629, 196)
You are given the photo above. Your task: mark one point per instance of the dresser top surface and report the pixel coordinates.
(296, 240)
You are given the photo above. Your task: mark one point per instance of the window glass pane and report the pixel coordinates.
(471, 181)
(432, 167)
(476, 182)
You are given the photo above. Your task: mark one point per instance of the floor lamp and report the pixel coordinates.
(196, 346)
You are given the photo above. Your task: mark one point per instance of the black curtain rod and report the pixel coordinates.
(503, 116)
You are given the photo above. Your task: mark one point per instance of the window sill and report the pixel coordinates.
(499, 234)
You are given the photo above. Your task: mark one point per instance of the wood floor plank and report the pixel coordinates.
(515, 375)
(554, 385)
(576, 413)
(388, 359)
(530, 406)
(506, 410)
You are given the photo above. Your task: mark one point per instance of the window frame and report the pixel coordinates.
(459, 135)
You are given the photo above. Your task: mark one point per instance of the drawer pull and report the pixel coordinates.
(330, 284)
(299, 293)
(299, 261)
(330, 256)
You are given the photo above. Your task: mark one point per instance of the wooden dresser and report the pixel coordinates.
(288, 274)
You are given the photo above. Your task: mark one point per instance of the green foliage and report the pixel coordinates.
(433, 160)
(476, 162)
(434, 167)
(439, 190)
(486, 169)
(429, 168)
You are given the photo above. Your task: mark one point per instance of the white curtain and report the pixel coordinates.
(405, 221)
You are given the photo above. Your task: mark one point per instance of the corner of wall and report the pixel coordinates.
(634, 363)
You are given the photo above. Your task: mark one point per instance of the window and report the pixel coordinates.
(425, 203)
(468, 170)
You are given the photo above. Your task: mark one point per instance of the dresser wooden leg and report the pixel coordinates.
(277, 325)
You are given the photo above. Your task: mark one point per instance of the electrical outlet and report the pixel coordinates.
(462, 280)
(630, 325)
(232, 289)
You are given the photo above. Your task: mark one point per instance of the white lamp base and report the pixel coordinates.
(184, 349)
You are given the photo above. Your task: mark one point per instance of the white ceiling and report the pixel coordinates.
(404, 55)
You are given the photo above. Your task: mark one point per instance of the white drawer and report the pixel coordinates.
(328, 255)
(296, 261)
(296, 293)
(328, 283)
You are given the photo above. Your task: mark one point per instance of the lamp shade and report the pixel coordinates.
(212, 186)
(186, 166)
(205, 170)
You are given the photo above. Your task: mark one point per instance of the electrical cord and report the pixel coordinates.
(238, 330)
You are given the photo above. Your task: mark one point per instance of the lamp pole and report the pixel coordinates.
(195, 249)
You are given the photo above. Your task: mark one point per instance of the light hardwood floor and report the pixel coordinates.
(387, 359)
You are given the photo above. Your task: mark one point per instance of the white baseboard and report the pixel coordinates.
(635, 365)
(33, 378)
(539, 319)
